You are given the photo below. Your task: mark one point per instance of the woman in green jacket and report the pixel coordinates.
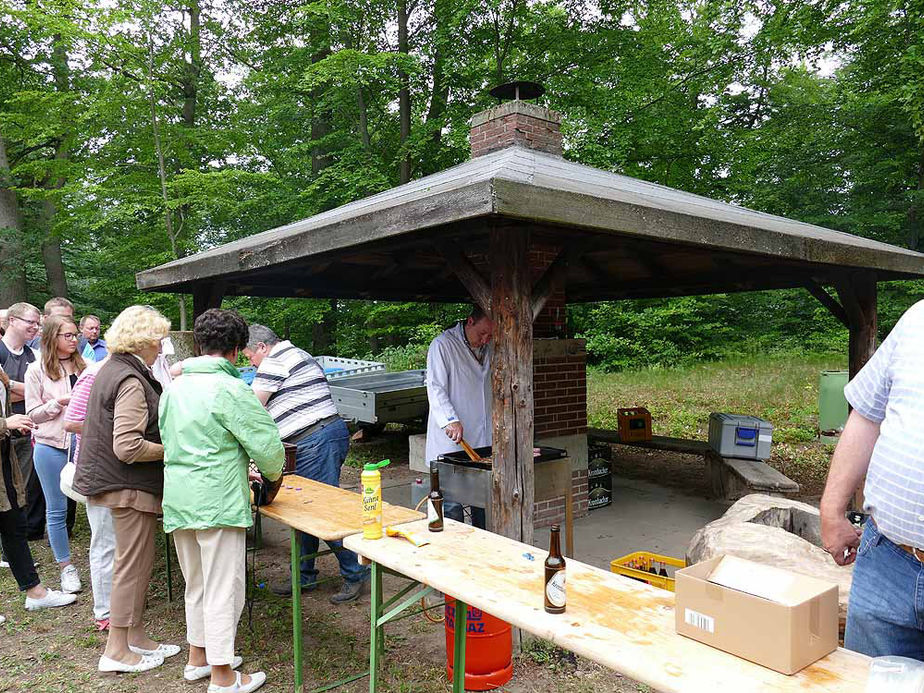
(212, 425)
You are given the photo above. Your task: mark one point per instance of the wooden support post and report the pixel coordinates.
(207, 296)
(858, 294)
(512, 379)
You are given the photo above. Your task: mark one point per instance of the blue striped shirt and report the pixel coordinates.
(889, 390)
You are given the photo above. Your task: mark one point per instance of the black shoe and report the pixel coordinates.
(349, 591)
(284, 589)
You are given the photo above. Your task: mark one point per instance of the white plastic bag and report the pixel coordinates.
(893, 674)
(67, 483)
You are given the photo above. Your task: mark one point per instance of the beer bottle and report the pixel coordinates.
(555, 575)
(435, 502)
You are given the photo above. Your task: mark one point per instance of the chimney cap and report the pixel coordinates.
(517, 91)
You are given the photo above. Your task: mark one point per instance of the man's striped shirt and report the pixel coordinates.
(889, 390)
(301, 395)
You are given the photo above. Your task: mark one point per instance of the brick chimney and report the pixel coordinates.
(515, 122)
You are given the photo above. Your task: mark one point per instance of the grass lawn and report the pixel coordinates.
(781, 388)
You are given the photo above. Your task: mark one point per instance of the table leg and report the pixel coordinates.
(376, 630)
(458, 656)
(297, 611)
(569, 520)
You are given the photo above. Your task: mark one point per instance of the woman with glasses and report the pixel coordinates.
(48, 391)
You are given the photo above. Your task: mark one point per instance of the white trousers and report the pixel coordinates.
(102, 555)
(213, 563)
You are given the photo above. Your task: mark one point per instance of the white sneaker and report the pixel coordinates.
(70, 580)
(163, 650)
(52, 598)
(257, 679)
(194, 673)
(108, 665)
(4, 564)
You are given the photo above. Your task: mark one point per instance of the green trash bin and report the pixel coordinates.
(832, 405)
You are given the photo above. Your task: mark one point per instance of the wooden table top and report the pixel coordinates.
(327, 512)
(623, 624)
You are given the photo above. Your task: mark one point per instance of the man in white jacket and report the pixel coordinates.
(459, 392)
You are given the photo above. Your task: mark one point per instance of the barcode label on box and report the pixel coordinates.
(698, 620)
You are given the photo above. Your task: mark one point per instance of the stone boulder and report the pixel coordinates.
(776, 531)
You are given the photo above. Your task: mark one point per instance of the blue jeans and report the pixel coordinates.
(885, 614)
(48, 463)
(319, 457)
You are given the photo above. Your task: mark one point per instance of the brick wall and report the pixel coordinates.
(550, 512)
(515, 122)
(560, 387)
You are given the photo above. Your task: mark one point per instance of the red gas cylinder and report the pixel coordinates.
(488, 648)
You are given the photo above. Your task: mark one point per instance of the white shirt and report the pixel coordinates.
(889, 390)
(458, 389)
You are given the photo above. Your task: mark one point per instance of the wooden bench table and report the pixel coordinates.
(622, 624)
(329, 513)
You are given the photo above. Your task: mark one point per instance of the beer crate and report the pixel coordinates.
(634, 424)
(599, 491)
(637, 565)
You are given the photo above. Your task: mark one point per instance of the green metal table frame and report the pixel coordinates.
(382, 611)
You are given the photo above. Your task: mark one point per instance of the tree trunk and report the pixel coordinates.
(51, 252)
(13, 287)
(914, 217)
(193, 67)
(51, 243)
(363, 119)
(322, 332)
(162, 175)
(439, 96)
(320, 119)
(404, 96)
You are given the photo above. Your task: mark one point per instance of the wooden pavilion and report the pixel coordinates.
(519, 225)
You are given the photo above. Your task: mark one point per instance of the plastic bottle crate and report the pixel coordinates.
(636, 565)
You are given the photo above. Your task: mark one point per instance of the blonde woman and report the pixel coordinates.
(121, 468)
(49, 381)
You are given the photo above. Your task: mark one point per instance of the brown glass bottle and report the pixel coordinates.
(555, 575)
(435, 502)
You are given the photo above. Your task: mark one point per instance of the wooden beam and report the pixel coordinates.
(550, 281)
(467, 273)
(825, 299)
(207, 296)
(512, 380)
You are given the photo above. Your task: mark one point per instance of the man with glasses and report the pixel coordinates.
(15, 357)
(53, 306)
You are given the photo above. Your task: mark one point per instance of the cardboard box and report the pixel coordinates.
(769, 616)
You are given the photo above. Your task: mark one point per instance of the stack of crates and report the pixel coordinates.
(599, 476)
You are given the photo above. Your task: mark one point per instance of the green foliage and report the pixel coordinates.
(269, 112)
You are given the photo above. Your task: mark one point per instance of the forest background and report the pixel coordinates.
(133, 133)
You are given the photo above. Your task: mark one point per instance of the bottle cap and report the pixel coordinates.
(556, 528)
(372, 466)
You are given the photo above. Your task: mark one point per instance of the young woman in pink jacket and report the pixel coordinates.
(48, 391)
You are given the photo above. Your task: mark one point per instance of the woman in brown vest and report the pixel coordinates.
(121, 467)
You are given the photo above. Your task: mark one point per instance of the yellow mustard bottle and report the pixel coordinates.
(372, 499)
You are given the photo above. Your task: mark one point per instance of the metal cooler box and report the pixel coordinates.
(737, 435)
